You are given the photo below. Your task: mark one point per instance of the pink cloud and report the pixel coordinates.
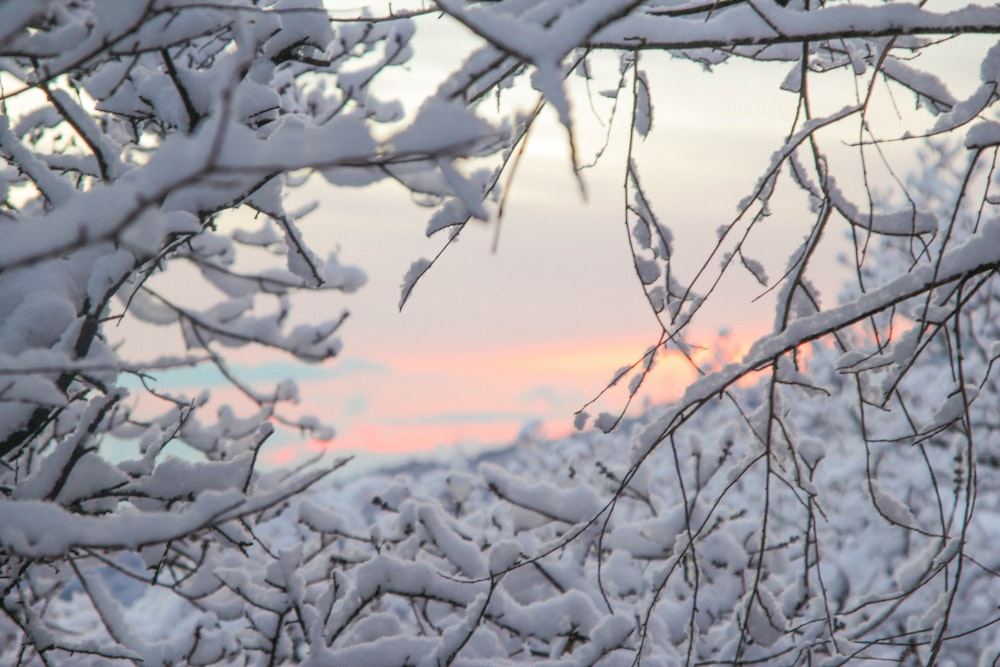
(430, 400)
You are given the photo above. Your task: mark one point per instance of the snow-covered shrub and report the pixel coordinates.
(536, 554)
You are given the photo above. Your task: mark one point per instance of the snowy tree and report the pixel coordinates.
(771, 523)
(839, 510)
(130, 134)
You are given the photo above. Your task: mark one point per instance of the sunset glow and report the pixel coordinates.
(426, 401)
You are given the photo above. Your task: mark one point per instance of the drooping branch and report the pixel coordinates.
(741, 26)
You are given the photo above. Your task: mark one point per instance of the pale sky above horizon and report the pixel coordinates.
(490, 342)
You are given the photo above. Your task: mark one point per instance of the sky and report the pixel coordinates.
(490, 343)
(493, 346)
